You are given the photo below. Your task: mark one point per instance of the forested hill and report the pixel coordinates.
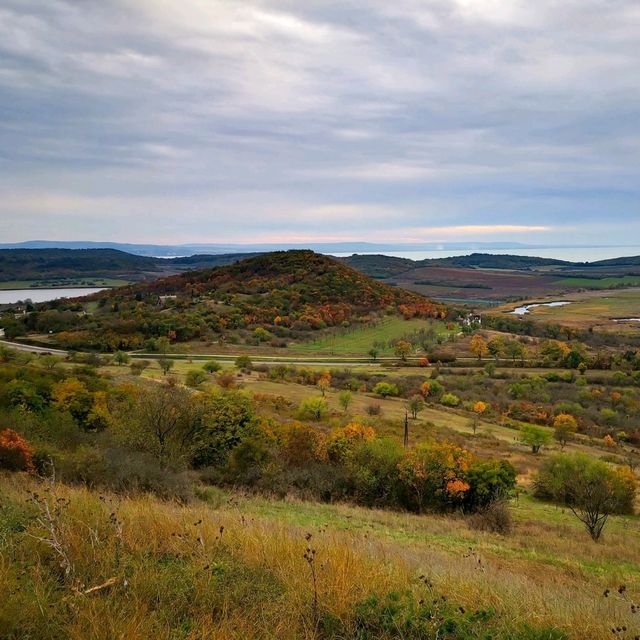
(28, 264)
(277, 297)
(381, 266)
(285, 279)
(37, 264)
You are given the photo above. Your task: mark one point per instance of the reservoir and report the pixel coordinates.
(520, 311)
(11, 296)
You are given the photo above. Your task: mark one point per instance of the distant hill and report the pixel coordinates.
(496, 261)
(276, 297)
(37, 264)
(381, 266)
(28, 264)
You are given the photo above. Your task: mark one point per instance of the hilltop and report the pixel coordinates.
(277, 298)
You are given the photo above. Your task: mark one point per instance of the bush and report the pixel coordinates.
(244, 363)
(384, 389)
(450, 400)
(16, 454)
(314, 408)
(211, 366)
(195, 377)
(374, 410)
(495, 518)
(490, 481)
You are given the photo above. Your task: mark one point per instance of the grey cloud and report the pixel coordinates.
(208, 117)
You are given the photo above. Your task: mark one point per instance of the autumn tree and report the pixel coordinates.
(403, 349)
(16, 454)
(479, 409)
(324, 382)
(478, 346)
(565, 426)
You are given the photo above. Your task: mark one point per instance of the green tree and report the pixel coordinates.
(590, 488)
(314, 408)
(228, 419)
(244, 363)
(534, 437)
(415, 405)
(121, 357)
(373, 353)
(345, 398)
(166, 365)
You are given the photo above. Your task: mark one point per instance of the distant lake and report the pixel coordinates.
(572, 254)
(11, 296)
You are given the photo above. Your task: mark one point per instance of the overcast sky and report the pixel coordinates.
(382, 120)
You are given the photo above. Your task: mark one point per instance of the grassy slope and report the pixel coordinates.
(186, 580)
(358, 340)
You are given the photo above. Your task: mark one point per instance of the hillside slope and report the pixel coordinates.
(277, 297)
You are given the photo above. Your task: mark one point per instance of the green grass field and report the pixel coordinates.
(601, 283)
(358, 340)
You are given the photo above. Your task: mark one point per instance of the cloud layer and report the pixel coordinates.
(415, 120)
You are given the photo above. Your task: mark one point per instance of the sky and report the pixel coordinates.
(176, 121)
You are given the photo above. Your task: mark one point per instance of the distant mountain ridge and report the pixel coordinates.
(178, 250)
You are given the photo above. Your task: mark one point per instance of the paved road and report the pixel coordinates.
(226, 357)
(31, 349)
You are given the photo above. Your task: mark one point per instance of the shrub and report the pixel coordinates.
(489, 481)
(495, 518)
(16, 454)
(374, 410)
(385, 389)
(314, 408)
(211, 366)
(195, 377)
(244, 363)
(450, 400)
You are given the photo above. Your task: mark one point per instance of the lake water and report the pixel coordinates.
(520, 311)
(12, 296)
(626, 319)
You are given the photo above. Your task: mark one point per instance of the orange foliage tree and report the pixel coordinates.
(16, 454)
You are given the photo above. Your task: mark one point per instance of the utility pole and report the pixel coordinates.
(406, 429)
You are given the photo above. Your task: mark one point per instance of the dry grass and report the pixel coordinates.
(237, 570)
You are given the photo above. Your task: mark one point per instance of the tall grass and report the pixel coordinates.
(142, 568)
